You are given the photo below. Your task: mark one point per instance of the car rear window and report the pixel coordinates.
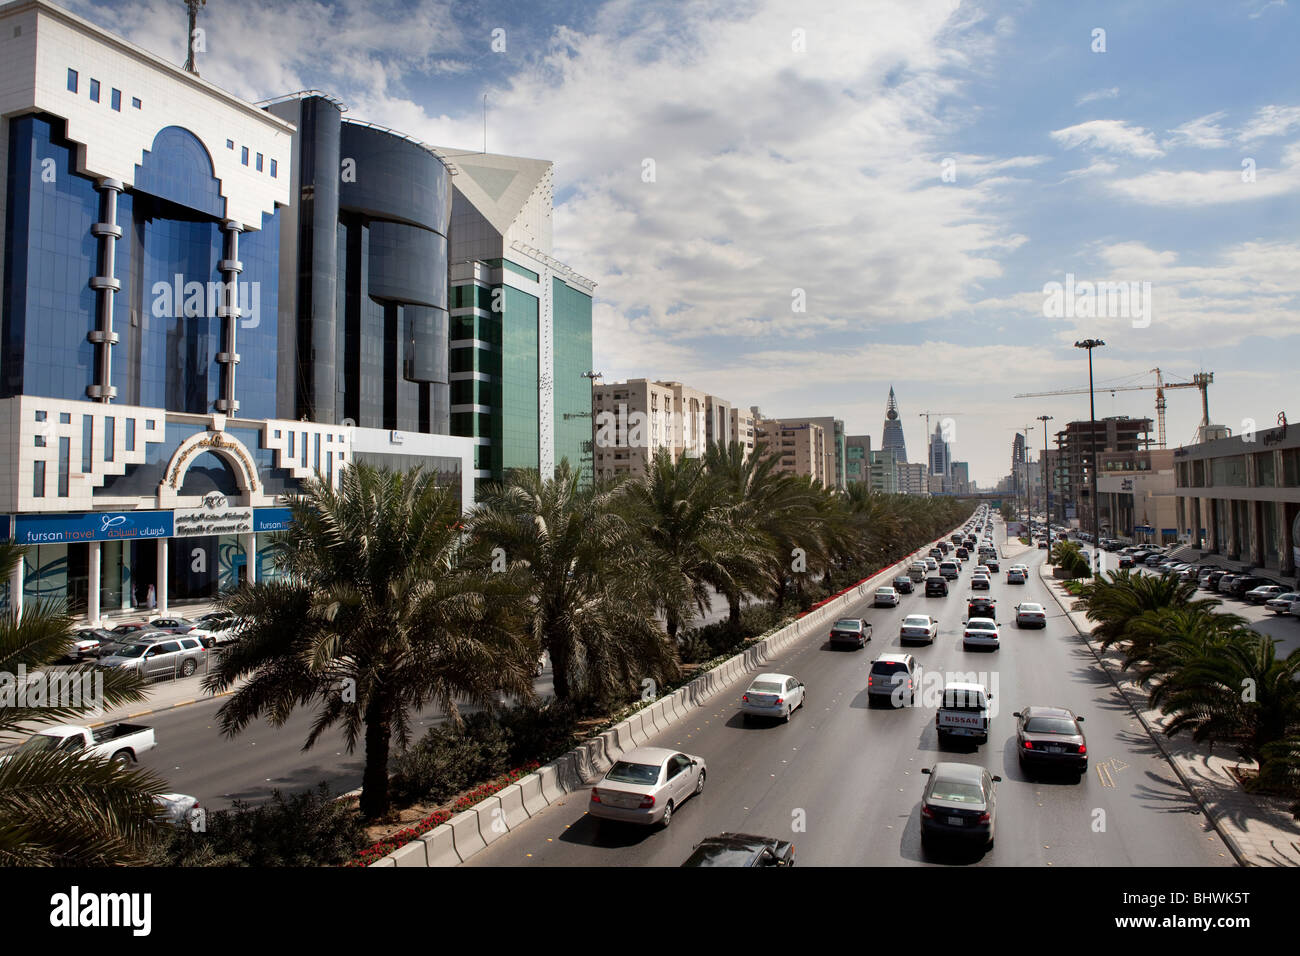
(1050, 725)
(765, 687)
(957, 791)
(847, 625)
(963, 700)
(888, 667)
(624, 772)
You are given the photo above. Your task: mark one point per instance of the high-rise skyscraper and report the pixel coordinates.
(893, 439)
(940, 458)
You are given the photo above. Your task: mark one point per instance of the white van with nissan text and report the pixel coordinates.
(964, 712)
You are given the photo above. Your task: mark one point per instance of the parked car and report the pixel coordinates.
(918, 627)
(1282, 603)
(158, 655)
(1051, 737)
(1030, 614)
(121, 742)
(980, 632)
(959, 803)
(936, 586)
(172, 625)
(1264, 593)
(885, 597)
(903, 584)
(893, 677)
(646, 786)
(1211, 581)
(1125, 561)
(1245, 583)
(851, 630)
(772, 695)
(964, 712)
(741, 849)
(1225, 583)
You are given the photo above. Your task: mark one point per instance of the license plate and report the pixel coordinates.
(1055, 749)
(956, 822)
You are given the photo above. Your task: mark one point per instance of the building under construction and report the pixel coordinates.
(1080, 443)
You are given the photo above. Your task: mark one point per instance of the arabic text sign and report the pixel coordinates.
(211, 521)
(92, 526)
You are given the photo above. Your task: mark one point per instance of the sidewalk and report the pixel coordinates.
(1259, 830)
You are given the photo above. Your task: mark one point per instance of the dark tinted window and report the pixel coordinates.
(1050, 725)
(888, 667)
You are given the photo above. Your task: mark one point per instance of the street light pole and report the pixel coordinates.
(1047, 490)
(592, 376)
(1029, 519)
(1091, 344)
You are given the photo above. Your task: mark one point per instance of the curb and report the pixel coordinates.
(160, 710)
(1156, 737)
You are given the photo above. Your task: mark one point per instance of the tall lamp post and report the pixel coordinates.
(1047, 490)
(1091, 344)
(1029, 519)
(592, 376)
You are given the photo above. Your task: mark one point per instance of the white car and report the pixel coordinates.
(1282, 603)
(1029, 614)
(918, 627)
(772, 695)
(980, 632)
(931, 564)
(647, 786)
(885, 597)
(982, 569)
(1015, 576)
(1264, 593)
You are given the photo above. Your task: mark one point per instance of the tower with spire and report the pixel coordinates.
(893, 439)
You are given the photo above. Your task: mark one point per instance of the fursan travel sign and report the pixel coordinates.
(95, 526)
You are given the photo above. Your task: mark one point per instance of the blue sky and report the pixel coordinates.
(801, 146)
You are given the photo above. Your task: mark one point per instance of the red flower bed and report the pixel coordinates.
(396, 841)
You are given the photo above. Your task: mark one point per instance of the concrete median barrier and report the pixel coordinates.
(530, 789)
(549, 776)
(623, 733)
(636, 725)
(440, 846)
(512, 806)
(465, 834)
(385, 861)
(567, 775)
(491, 819)
(410, 855)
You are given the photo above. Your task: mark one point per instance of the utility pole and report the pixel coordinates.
(193, 7)
(1091, 344)
(1047, 490)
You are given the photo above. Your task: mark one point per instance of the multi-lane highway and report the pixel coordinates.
(844, 780)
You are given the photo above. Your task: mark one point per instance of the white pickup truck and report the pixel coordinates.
(964, 712)
(122, 743)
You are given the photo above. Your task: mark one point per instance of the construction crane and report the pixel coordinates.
(1200, 380)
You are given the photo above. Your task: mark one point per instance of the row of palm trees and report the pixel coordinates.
(1208, 671)
(389, 600)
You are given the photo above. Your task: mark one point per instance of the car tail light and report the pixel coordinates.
(647, 802)
(984, 817)
(1029, 745)
(1083, 748)
(595, 795)
(780, 700)
(870, 680)
(745, 698)
(927, 812)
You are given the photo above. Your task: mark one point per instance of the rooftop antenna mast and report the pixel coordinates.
(193, 7)
(484, 124)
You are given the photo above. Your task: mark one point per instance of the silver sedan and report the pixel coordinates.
(647, 786)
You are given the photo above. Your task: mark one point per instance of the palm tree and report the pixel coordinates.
(684, 525)
(373, 617)
(56, 809)
(591, 589)
(1116, 600)
(1238, 691)
(1161, 641)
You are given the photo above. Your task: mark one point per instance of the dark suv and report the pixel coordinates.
(1247, 582)
(936, 587)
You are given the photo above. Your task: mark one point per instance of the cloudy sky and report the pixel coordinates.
(854, 194)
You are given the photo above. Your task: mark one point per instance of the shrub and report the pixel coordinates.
(447, 760)
(307, 829)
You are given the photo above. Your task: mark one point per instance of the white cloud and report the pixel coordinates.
(1201, 133)
(1271, 121)
(1091, 97)
(1098, 167)
(1189, 188)
(1115, 136)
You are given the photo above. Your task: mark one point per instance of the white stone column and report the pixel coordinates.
(160, 586)
(249, 543)
(93, 585)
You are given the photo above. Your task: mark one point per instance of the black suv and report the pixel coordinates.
(1247, 582)
(936, 587)
(980, 606)
(962, 553)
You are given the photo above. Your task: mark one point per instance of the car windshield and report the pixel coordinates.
(957, 791)
(848, 624)
(39, 743)
(624, 772)
(1050, 725)
(131, 650)
(765, 687)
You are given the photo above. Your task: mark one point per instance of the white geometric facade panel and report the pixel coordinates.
(307, 448)
(34, 74)
(100, 440)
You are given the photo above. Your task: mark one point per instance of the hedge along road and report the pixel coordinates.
(844, 781)
(194, 758)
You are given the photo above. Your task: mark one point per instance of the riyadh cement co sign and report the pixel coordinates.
(215, 517)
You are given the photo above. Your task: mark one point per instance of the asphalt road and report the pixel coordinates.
(844, 780)
(196, 759)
